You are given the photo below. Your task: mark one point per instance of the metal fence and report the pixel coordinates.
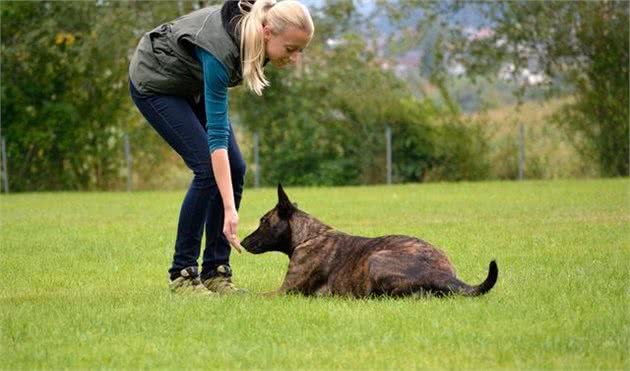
(4, 172)
(257, 169)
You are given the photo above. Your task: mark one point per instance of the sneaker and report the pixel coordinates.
(221, 282)
(188, 282)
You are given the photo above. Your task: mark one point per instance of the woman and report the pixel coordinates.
(179, 78)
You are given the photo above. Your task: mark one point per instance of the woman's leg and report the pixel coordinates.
(174, 119)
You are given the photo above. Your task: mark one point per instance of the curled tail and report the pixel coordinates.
(485, 286)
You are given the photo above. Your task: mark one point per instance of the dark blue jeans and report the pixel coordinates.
(181, 122)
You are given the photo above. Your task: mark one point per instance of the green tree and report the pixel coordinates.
(65, 103)
(324, 122)
(580, 43)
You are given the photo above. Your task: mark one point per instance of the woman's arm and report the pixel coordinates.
(221, 170)
(215, 93)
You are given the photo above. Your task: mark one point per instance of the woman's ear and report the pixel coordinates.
(267, 32)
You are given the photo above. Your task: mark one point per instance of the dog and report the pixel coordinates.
(324, 261)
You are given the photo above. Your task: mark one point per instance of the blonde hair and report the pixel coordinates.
(278, 16)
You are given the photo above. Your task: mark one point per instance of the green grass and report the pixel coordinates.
(84, 283)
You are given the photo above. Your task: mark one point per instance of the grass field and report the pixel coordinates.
(84, 283)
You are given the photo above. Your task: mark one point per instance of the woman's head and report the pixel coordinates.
(278, 31)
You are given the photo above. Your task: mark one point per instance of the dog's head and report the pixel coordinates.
(274, 231)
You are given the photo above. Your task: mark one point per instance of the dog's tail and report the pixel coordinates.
(487, 285)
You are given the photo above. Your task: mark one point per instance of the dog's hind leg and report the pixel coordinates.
(397, 276)
(445, 284)
(396, 283)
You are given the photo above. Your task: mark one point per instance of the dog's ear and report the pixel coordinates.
(285, 207)
(282, 196)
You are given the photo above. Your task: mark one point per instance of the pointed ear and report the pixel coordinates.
(285, 207)
(282, 196)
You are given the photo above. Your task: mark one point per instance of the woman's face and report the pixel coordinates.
(285, 48)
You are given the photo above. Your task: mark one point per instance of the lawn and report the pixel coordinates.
(84, 283)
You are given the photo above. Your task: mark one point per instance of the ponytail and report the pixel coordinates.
(253, 43)
(255, 15)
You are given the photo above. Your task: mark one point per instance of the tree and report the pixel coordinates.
(65, 103)
(324, 122)
(580, 43)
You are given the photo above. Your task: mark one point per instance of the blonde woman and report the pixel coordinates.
(179, 79)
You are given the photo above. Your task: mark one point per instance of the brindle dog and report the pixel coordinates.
(324, 261)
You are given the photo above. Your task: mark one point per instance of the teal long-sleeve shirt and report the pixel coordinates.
(215, 81)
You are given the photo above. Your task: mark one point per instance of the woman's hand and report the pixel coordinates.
(221, 169)
(230, 226)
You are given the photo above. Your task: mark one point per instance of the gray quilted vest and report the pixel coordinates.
(165, 61)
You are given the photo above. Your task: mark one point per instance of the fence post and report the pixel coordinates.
(129, 160)
(388, 144)
(5, 171)
(521, 151)
(256, 161)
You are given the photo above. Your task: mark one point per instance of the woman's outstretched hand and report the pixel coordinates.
(221, 170)
(230, 227)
